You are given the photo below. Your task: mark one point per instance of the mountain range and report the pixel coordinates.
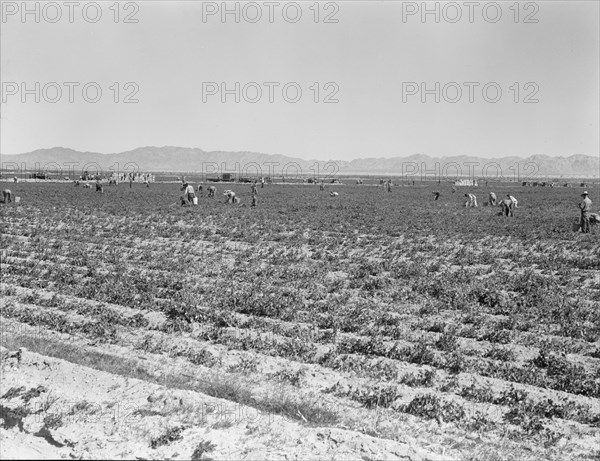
(188, 160)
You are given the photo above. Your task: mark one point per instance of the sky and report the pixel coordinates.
(327, 80)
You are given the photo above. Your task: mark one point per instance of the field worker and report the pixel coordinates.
(585, 207)
(6, 196)
(514, 200)
(254, 188)
(254, 201)
(200, 189)
(147, 183)
(471, 200)
(262, 183)
(15, 179)
(230, 196)
(212, 190)
(492, 199)
(508, 207)
(322, 186)
(333, 194)
(437, 195)
(99, 187)
(188, 192)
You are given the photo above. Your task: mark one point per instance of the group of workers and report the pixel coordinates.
(189, 195)
(508, 204)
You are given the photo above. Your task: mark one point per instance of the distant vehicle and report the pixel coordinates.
(38, 176)
(245, 179)
(225, 177)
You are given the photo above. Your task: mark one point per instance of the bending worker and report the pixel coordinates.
(471, 200)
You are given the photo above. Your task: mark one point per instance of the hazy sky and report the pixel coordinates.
(374, 61)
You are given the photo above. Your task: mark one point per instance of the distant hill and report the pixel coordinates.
(182, 159)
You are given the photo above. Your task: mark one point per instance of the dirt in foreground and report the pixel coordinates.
(55, 409)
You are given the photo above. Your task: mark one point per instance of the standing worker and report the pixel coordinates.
(492, 199)
(585, 207)
(389, 185)
(254, 188)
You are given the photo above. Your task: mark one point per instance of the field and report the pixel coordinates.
(372, 325)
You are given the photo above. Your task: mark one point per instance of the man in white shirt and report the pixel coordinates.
(188, 194)
(231, 198)
(471, 200)
(513, 200)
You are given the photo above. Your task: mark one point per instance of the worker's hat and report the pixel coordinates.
(584, 193)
